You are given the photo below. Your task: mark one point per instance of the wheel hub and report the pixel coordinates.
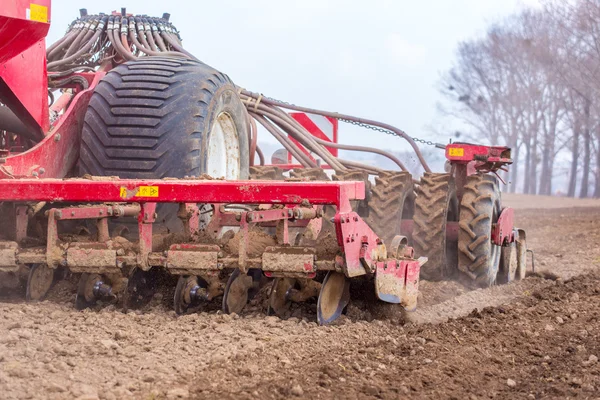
(223, 156)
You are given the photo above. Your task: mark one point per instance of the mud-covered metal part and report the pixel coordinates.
(507, 268)
(436, 207)
(190, 259)
(399, 248)
(284, 261)
(92, 257)
(266, 172)
(190, 291)
(39, 281)
(333, 298)
(240, 289)
(279, 299)
(91, 289)
(8, 256)
(513, 257)
(309, 174)
(397, 281)
(521, 254)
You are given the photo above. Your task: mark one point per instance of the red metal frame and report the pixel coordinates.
(56, 155)
(360, 246)
(25, 24)
(468, 159)
(503, 229)
(182, 191)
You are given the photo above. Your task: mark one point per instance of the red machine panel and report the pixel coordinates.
(24, 25)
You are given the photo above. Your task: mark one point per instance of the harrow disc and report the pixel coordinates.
(334, 297)
(190, 291)
(39, 282)
(141, 286)
(240, 289)
(92, 288)
(279, 301)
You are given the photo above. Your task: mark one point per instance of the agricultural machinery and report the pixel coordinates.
(123, 157)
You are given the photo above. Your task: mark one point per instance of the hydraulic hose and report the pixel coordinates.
(116, 40)
(363, 149)
(142, 35)
(140, 46)
(60, 44)
(287, 124)
(148, 32)
(261, 156)
(176, 46)
(81, 51)
(78, 40)
(346, 117)
(290, 147)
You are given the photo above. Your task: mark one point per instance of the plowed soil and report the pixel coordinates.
(536, 339)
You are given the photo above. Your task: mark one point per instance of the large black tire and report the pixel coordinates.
(480, 207)
(436, 204)
(152, 118)
(392, 199)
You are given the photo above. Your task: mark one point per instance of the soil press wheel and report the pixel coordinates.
(479, 258)
(159, 117)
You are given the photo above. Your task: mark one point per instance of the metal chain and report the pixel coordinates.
(387, 131)
(373, 128)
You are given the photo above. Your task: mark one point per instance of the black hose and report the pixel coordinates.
(72, 79)
(349, 118)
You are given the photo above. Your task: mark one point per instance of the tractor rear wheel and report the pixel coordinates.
(436, 205)
(480, 207)
(392, 199)
(163, 117)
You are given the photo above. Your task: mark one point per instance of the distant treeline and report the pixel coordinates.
(533, 83)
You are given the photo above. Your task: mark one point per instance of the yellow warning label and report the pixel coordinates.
(456, 152)
(38, 13)
(142, 191)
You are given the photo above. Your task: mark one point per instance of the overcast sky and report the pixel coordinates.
(379, 59)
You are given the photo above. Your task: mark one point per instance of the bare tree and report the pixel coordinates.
(532, 83)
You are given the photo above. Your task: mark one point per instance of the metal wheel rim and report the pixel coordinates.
(223, 155)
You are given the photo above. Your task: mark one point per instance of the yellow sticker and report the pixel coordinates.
(38, 13)
(142, 191)
(147, 191)
(456, 152)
